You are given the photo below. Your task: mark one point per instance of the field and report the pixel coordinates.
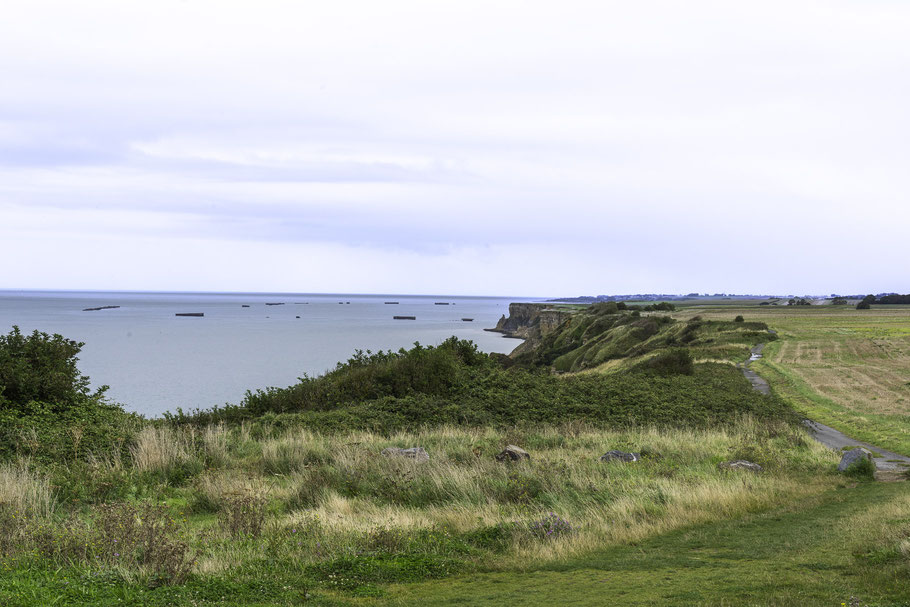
(846, 368)
(287, 499)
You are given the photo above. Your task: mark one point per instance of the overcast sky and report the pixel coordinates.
(508, 148)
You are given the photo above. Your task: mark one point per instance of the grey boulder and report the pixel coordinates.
(621, 456)
(852, 456)
(740, 464)
(417, 454)
(512, 454)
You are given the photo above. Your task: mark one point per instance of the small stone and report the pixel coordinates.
(417, 454)
(622, 456)
(512, 454)
(853, 455)
(740, 464)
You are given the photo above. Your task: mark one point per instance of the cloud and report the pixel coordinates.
(601, 147)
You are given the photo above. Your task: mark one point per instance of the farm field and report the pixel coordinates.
(840, 366)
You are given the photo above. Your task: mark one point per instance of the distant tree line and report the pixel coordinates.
(894, 298)
(891, 299)
(611, 307)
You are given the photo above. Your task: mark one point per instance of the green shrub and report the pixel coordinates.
(863, 468)
(242, 515)
(605, 307)
(41, 368)
(496, 538)
(47, 411)
(677, 361)
(366, 376)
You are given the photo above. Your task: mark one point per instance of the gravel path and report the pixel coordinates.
(885, 461)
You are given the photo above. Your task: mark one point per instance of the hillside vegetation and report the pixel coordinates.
(604, 333)
(287, 497)
(674, 373)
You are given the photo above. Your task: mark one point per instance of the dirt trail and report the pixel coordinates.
(886, 462)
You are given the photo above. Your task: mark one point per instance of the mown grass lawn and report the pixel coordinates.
(841, 547)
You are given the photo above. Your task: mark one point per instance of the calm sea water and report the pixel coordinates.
(154, 361)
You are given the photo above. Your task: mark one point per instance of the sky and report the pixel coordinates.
(456, 147)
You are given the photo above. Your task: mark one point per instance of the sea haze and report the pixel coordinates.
(155, 361)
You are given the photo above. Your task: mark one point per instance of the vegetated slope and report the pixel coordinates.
(606, 332)
(454, 383)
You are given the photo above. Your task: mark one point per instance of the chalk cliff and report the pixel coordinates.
(530, 321)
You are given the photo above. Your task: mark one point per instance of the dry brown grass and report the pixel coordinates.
(158, 448)
(860, 360)
(611, 503)
(25, 491)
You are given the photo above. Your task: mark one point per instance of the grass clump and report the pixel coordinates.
(25, 491)
(863, 469)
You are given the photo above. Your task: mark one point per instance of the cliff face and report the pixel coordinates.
(530, 322)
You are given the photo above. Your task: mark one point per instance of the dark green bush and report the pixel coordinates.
(677, 361)
(366, 376)
(863, 468)
(605, 307)
(41, 368)
(47, 410)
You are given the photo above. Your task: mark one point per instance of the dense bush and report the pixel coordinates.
(862, 468)
(367, 376)
(711, 394)
(866, 302)
(47, 410)
(41, 368)
(677, 361)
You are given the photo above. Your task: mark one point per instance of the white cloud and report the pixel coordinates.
(507, 147)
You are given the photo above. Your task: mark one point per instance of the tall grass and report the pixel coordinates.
(463, 488)
(309, 500)
(170, 453)
(25, 491)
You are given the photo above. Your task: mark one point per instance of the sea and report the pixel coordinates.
(155, 361)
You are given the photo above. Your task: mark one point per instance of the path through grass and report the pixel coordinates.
(847, 368)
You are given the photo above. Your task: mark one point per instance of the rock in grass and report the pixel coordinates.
(621, 456)
(852, 456)
(512, 454)
(740, 464)
(418, 454)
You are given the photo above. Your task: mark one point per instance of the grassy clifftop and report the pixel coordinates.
(599, 336)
